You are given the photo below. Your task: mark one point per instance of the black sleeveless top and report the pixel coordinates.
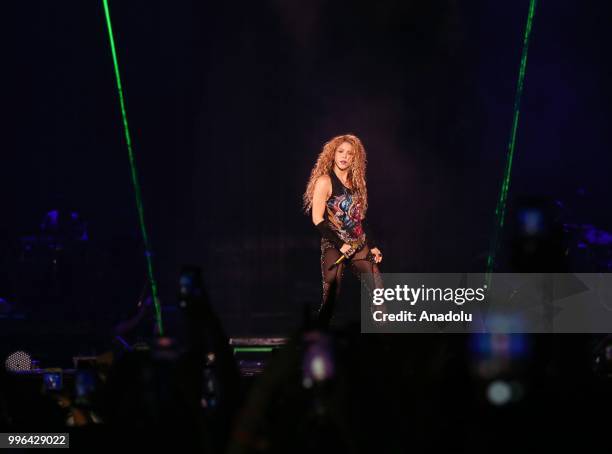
(343, 211)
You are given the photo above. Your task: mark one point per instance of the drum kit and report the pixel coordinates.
(587, 245)
(50, 261)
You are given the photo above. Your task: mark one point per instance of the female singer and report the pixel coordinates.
(337, 198)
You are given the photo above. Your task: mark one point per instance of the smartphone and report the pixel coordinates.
(532, 221)
(318, 362)
(53, 381)
(84, 383)
(190, 284)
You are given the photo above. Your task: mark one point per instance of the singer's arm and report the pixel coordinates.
(372, 241)
(322, 191)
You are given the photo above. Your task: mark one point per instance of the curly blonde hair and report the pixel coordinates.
(325, 165)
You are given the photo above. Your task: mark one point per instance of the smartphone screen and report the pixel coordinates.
(52, 381)
(84, 383)
(190, 284)
(318, 363)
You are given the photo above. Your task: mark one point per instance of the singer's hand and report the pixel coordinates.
(347, 250)
(377, 254)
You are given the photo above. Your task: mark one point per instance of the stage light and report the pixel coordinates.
(18, 361)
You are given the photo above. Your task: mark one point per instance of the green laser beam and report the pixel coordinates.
(500, 209)
(252, 349)
(134, 173)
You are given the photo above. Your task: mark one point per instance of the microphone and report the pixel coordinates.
(337, 262)
(355, 246)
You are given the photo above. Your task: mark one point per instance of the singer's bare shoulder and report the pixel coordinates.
(323, 183)
(322, 192)
(322, 188)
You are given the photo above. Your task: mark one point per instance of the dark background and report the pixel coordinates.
(230, 103)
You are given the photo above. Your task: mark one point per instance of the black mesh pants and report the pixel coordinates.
(361, 264)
